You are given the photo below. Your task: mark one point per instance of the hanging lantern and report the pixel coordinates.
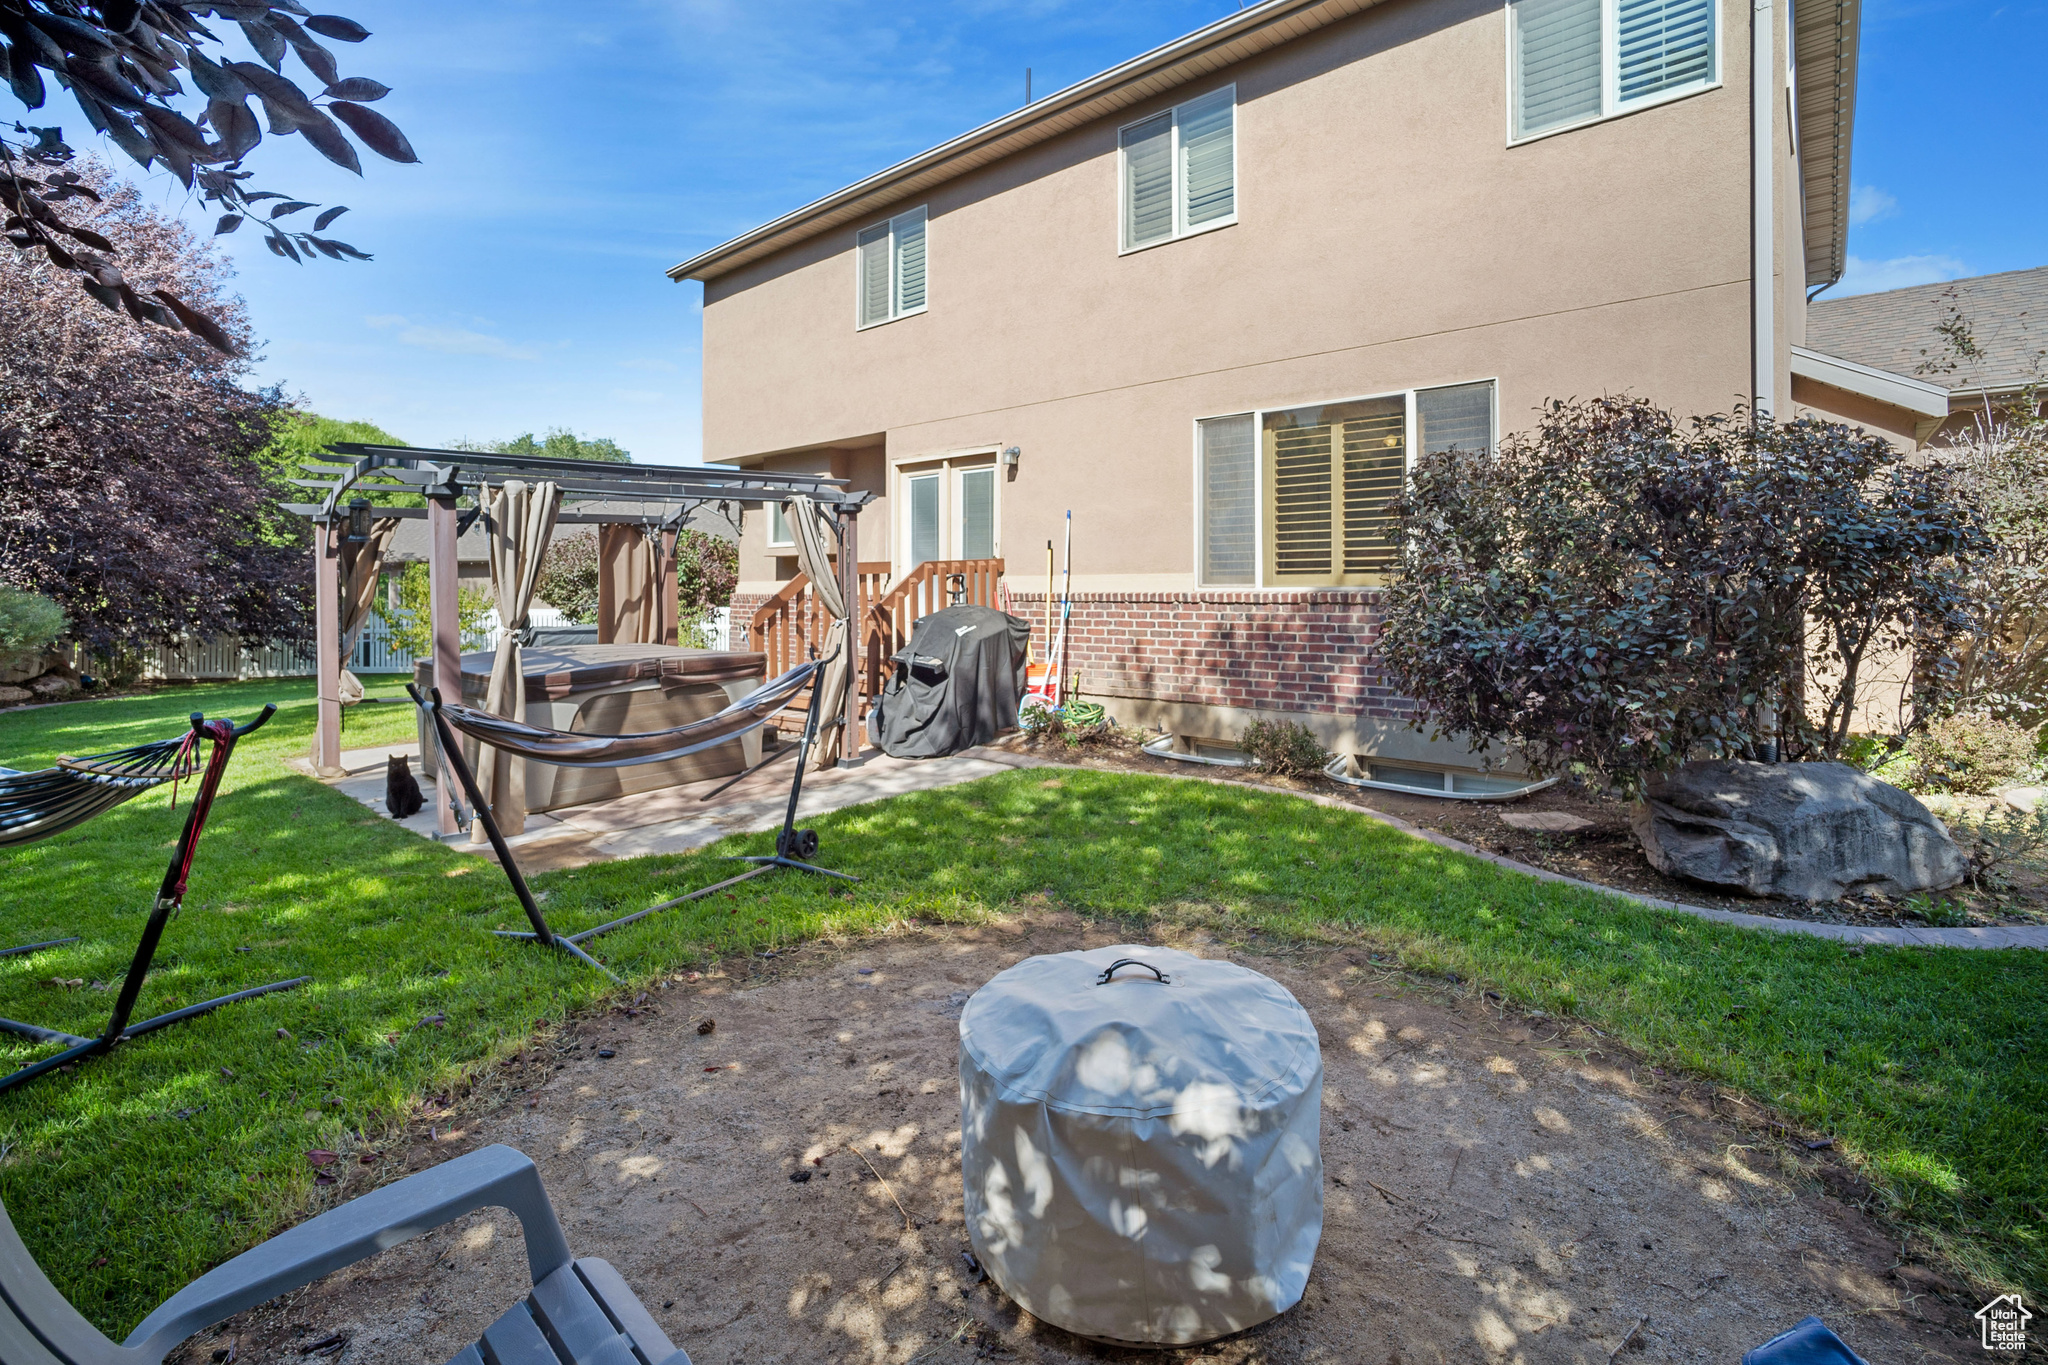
(358, 526)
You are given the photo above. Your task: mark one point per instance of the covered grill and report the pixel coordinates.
(1141, 1142)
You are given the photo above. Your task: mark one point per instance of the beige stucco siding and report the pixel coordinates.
(1387, 238)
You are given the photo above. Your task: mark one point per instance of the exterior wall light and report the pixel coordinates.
(1010, 455)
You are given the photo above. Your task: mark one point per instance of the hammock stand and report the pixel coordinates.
(792, 845)
(38, 804)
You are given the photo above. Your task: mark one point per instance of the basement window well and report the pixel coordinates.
(1442, 782)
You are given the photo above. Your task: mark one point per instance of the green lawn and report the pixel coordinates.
(139, 1171)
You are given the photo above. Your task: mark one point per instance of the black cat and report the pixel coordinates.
(401, 789)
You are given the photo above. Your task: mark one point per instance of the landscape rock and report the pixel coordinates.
(11, 695)
(2025, 800)
(1808, 831)
(52, 685)
(1546, 821)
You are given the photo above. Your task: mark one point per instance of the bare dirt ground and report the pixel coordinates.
(1606, 852)
(1496, 1189)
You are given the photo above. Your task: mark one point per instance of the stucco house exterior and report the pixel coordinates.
(1211, 300)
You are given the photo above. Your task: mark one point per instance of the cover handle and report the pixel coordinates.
(1109, 972)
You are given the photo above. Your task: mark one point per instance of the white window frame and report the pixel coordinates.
(895, 314)
(1180, 208)
(1611, 106)
(1410, 433)
(947, 466)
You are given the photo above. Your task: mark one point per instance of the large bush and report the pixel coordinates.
(2003, 468)
(568, 577)
(1616, 591)
(707, 571)
(132, 492)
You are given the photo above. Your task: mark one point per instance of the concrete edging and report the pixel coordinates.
(1995, 936)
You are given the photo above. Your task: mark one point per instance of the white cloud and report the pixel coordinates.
(1871, 277)
(1868, 203)
(451, 340)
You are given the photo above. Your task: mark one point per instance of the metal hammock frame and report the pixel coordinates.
(36, 805)
(542, 745)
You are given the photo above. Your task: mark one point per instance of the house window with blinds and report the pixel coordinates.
(890, 258)
(1574, 61)
(1178, 170)
(1301, 497)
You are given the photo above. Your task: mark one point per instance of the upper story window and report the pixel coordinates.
(1177, 171)
(1574, 61)
(891, 262)
(1298, 498)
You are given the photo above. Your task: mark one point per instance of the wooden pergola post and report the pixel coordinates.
(849, 593)
(444, 578)
(327, 647)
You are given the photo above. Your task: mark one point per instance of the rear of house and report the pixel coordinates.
(1213, 300)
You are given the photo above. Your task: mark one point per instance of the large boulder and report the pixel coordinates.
(1809, 831)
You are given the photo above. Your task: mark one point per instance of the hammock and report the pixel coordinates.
(543, 745)
(35, 805)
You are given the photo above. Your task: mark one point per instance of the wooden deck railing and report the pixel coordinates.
(787, 625)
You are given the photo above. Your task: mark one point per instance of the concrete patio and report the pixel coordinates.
(673, 819)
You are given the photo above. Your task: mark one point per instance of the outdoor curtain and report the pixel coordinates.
(636, 569)
(360, 565)
(519, 522)
(813, 534)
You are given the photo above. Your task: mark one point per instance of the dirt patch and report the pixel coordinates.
(1605, 852)
(1498, 1189)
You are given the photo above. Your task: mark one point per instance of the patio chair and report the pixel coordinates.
(38, 804)
(580, 1312)
(577, 749)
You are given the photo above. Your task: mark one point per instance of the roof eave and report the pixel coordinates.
(1825, 40)
(1229, 40)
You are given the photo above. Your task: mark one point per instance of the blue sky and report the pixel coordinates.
(571, 152)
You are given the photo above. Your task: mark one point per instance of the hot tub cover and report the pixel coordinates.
(1142, 1161)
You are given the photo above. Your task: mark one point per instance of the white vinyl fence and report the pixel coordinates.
(226, 658)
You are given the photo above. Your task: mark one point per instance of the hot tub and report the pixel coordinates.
(614, 690)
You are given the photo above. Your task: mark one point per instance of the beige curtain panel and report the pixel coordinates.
(636, 595)
(360, 566)
(520, 520)
(814, 543)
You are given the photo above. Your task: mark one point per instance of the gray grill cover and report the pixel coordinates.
(957, 684)
(1142, 1162)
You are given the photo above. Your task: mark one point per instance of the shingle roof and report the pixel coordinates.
(2007, 315)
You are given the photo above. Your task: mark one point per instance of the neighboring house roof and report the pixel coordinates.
(2007, 315)
(409, 543)
(1825, 38)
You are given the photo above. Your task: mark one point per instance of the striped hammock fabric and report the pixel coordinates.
(36, 805)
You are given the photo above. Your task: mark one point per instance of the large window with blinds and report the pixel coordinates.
(1300, 497)
(1574, 61)
(1177, 171)
(949, 508)
(890, 260)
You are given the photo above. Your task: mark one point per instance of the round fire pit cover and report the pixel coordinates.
(1141, 1149)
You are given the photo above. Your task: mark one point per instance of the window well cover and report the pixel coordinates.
(1142, 1160)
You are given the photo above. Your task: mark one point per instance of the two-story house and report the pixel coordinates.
(1212, 299)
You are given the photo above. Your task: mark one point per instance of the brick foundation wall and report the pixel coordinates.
(1257, 651)
(1303, 652)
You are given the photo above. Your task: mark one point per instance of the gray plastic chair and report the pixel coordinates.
(579, 1313)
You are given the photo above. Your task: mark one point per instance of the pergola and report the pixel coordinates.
(356, 481)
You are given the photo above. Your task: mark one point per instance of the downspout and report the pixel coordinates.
(1762, 234)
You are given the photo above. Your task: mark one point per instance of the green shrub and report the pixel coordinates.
(412, 630)
(29, 622)
(1972, 753)
(568, 578)
(1286, 748)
